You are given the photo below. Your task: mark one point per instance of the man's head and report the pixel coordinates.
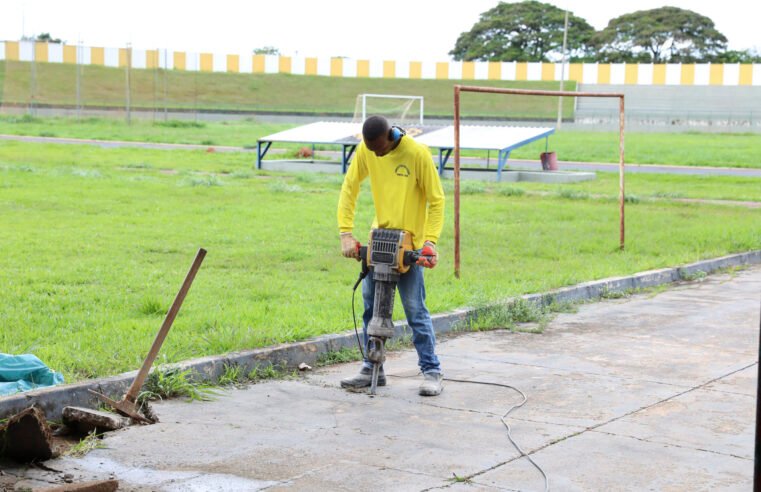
(376, 133)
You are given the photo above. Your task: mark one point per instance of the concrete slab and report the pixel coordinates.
(598, 461)
(742, 383)
(514, 176)
(711, 421)
(293, 428)
(556, 396)
(652, 392)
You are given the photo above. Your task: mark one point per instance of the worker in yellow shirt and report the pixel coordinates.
(407, 194)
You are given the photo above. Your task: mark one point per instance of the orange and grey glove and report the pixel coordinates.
(429, 257)
(349, 245)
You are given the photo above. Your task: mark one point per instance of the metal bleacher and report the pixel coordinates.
(721, 107)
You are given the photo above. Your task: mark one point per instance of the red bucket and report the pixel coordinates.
(549, 161)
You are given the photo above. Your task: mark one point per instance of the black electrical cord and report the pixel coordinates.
(502, 418)
(507, 426)
(362, 275)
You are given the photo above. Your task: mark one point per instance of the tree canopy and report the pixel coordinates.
(45, 37)
(523, 31)
(533, 31)
(666, 34)
(266, 50)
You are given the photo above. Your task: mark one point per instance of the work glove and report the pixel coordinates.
(349, 245)
(428, 255)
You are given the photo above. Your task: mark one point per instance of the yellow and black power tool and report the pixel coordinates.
(388, 255)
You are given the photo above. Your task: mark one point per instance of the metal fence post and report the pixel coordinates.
(128, 65)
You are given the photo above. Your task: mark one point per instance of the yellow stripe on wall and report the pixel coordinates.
(257, 64)
(12, 50)
(336, 67)
(631, 73)
(363, 68)
(416, 70)
(659, 74)
(98, 56)
(442, 70)
(688, 74)
(310, 66)
(123, 57)
(41, 52)
(716, 76)
(468, 70)
(179, 60)
(495, 71)
(576, 72)
(207, 62)
(521, 71)
(389, 69)
(69, 54)
(603, 73)
(548, 71)
(746, 74)
(233, 63)
(151, 58)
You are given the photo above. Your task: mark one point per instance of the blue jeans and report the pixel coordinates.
(412, 292)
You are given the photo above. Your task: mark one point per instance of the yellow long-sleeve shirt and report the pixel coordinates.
(406, 191)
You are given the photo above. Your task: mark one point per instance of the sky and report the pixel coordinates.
(424, 30)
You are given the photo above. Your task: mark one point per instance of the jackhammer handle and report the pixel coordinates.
(137, 384)
(411, 257)
(362, 252)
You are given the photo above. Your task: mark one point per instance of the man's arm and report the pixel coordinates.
(347, 200)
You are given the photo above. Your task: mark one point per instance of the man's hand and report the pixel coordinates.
(349, 245)
(429, 257)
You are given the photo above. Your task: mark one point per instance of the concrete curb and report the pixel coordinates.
(53, 400)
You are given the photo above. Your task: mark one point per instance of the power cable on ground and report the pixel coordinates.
(486, 383)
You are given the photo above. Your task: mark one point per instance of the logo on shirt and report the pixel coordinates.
(402, 170)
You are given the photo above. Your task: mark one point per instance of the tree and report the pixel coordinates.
(266, 50)
(739, 56)
(524, 31)
(666, 34)
(46, 38)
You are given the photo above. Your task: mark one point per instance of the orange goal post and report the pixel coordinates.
(495, 90)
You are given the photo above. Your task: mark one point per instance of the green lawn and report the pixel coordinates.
(682, 149)
(56, 84)
(97, 241)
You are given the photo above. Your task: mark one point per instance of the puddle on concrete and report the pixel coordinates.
(168, 480)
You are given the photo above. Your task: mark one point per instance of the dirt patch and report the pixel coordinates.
(27, 437)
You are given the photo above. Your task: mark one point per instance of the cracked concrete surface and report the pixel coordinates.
(651, 392)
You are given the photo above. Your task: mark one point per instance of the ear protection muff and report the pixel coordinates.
(395, 133)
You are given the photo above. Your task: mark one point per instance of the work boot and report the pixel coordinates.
(364, 379)
(431, 385)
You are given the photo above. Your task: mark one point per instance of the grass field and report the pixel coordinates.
(56, 84)
(96, 243)
(686, 149)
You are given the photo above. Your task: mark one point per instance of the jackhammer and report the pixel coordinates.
(389, 254)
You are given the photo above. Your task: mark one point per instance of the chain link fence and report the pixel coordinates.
(162, 93)
(85, 90)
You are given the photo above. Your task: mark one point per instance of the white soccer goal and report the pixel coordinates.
(399, 110)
